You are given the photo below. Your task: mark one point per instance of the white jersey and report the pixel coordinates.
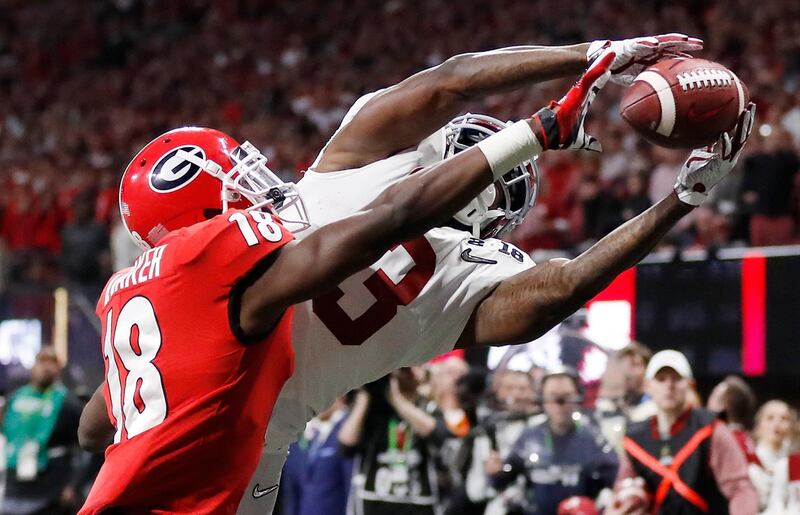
(410, 306)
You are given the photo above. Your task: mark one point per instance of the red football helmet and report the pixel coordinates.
(191, 174)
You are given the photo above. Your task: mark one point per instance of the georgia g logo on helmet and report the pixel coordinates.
(173, 170)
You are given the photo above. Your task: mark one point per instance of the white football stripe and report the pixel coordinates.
(665, 98)
(740, 91)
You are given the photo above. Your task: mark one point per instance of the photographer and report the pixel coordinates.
(394, 471)
(559, 457)
(512, 404)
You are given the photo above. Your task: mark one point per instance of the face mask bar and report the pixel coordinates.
(519, 187)
(252, 179)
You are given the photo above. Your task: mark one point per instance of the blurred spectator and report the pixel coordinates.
(558, 456)
(775, 422)
(635, 357)
(124, 250)
(685, 448)
(622, 398)
(444, 375)
(616, 160)
(774, 431)
(41, 429)
(667, 164)
(447, 405)
(600, 211)
(712, 229)
(513, 391)
(784, 479)
(735, 402)
(767, 188)
(316, 477)
(392, 435)
(84, 253)
(470, 389)
(784, 497)
(512, 406)
(635, 200)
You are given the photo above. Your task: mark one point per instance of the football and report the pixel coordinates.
(684, 102)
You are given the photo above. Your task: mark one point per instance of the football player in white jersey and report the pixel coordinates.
(450, 288)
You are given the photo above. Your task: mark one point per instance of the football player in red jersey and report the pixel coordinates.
(197, 333)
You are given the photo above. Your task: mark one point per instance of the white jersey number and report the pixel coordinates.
(388, 297)
(140, 403)
(268, 229)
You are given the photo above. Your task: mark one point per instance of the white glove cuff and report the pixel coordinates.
(689, 196)
(595, 49)
(510, 147)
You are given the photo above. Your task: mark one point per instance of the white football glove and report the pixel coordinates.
(707, 166)
(634, 55)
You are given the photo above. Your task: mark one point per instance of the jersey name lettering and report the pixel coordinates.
(146, 267)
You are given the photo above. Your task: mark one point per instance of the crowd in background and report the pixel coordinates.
(450, 438)
(455, 437)
(84, 84)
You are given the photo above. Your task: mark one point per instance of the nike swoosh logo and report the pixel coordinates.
(261, 493)
(695, 116)
(467, 256)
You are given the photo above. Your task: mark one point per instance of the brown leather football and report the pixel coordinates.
(684, 102)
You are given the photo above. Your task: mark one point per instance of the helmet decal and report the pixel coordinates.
(176, 168)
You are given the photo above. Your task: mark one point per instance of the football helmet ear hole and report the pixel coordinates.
(211, 213)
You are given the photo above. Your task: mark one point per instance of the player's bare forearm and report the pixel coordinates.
(420, 421)
(485, 73)
(350, 432)
(526, 306)
(627, 245)
(401, 116)
(330, 254)
(95, 431)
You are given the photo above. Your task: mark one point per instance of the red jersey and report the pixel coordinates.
(189, 399)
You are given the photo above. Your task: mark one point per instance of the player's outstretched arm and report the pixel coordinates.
(412, 206)
(95, 431)
(524, 307)
(399, 117)
(402, 115)
(320, 261)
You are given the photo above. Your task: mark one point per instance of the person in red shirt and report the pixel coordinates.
(196, 335)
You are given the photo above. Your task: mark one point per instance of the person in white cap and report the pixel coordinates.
(689, 460)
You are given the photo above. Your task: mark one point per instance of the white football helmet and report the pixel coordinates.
(503, 205)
